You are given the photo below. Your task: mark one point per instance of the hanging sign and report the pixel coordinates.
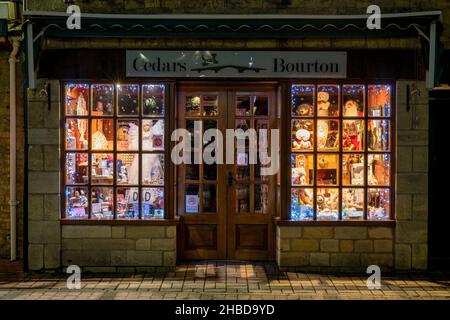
(237, 64)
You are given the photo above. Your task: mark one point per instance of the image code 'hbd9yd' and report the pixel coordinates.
(225, 309)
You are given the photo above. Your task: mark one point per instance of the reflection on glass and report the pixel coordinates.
(328, 101)
(242, 124)
(378, 204)
(152, 135)
(192, 171)
(327, 203)
(353, 97)
(352, 169)
(153, 169)
(379, 100)
(210, 106)
(192, 106)
(128, 168)
(102, 168)
(102, 103)
(102, 203)
(353, 135)
(303, 100)
(242, 198)
(128, 135)
(261, 198)
(77, 203)
(127, 203)
(243, 106)
(302, 135)
(76, 168)
(243, 167)
(352, 204)
(327, 169)
(262, 134)
(102, 134)
(128, 97)
(260, 106)
(302, 169)
(153, 98)
(192, 198)
(378, 135)
(302, 204)
(77, 97)
(209, 198)
(378, 169)
(76, 134)
(153, 203)
(328, 135)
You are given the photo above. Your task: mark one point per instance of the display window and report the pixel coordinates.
(114, 158)
(340, 152)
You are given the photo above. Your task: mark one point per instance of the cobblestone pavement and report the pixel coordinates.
(220, 280)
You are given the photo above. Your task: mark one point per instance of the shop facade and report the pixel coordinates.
(104, 192)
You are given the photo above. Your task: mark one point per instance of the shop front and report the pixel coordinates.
(135, 160)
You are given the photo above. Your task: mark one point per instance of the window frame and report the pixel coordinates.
(287, 115)
(115, 117)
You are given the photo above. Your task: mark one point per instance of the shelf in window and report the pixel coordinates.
(337, 223)
(147, 222)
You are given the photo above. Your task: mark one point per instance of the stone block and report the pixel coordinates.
(421, 116)
(141, 232)
(379, 259)
(100, 269)
(52, 256)
(350, 232)
(293, 259)
(413, 183)
(52, 207)
(72, 244)
(329, 245)
(36, 112)
(52, 158)
(346, 245)
(171, 231)
(363, 246)
(317, 232)
(108, 244)
(40, 232)
(81, 232)
(51, 117)
(143, 244)
(319, 259)
(43, 136)
(411, 232)
(345, 259)
(412, 138)
(290, 232)
(118, 258)
(403, 256)
(380, 233)
(82, 258)
(163, 244)
(169, 258)
(43, 182)
(404, 159)
(383, 246)
(35, 158)
(285, 244)
(36, 257)
(420, 159)
(144, 258)
(420, 207)
(419, 256)
(118, 232)
(35, 207)
(304, 245)
(403, 204)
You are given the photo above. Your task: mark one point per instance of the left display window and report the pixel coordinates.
(107, 144)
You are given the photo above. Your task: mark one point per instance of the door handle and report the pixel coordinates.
(230, 179)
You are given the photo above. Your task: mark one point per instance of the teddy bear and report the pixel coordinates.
(323, 104)
(299, 173)
(302, 141)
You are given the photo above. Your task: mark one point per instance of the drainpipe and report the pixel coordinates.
(12, 143)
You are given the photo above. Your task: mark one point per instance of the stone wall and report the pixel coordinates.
(411, 201)
(251, 7)
(119, 248)
(338, 248)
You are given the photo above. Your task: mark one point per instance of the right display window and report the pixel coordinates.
(341, 152)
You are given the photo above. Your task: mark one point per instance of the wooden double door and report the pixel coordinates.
(226, 207)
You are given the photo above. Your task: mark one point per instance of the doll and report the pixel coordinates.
(322, 103)
(302, 141)
(351, 109)
(322, 133)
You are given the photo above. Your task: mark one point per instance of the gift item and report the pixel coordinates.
(301, 204)
(323, 104)
(303, 100)
(327, 204)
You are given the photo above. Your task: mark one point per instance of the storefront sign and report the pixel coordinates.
(237, 64)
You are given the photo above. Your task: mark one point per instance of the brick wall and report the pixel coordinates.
(334, 248)
(252, 7)
(119, 248)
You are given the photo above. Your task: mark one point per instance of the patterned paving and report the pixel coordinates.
(222, 280)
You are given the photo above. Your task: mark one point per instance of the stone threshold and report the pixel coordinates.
(162, 222)
(341, 223)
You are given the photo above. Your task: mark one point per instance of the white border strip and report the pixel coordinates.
(229, 16)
